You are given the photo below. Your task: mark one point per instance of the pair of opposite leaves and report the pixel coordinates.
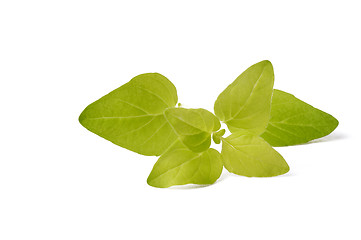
(141, 116)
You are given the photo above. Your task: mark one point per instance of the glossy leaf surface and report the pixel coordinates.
(182, 166)
(193, 126)
(249, 155)
(132, 116)
(294, 121)
(246, 103)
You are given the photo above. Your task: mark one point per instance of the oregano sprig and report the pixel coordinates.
(142, 116)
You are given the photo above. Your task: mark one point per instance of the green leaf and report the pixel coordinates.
(249, 155)
(294, 121)
(132, 116)
(183, 166)
(194, 126)
(217, 136)
(245, 104)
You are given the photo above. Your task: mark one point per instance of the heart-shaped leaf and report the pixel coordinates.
(249, 155)
(132, 116)
(245, 104)
(294, 121)
(182, 166)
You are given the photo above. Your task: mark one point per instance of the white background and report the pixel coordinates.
(60, 181)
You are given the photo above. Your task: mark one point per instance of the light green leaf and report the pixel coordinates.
(245, 104)
(294, 121)
(183, 166)
(249, 155)
(132, 116)
(217, 136)
(194, 126)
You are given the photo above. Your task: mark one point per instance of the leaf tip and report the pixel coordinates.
(286, 168)
(82, 117)
(152, 183)
(336, 122)
(266, 62)
(149, 181)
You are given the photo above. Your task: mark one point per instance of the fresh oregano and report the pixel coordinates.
(142, 116)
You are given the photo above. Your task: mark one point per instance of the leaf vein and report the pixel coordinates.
(249, 97)
(154, 94)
